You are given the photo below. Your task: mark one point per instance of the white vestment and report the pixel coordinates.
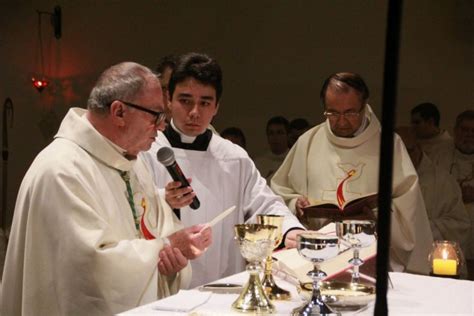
(222, 176)
(432, 145)
(269, 163)
(461, 167)
(443, 200)
(74, 247)
(320, 162)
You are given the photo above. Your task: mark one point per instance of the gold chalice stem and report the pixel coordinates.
(274, 292)
(253, 298)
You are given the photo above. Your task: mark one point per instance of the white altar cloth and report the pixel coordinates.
(411, 295)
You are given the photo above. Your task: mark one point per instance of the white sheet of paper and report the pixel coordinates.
(221, 216)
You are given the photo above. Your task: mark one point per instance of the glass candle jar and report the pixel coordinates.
(446, 259)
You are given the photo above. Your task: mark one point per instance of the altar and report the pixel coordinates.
(410, 295)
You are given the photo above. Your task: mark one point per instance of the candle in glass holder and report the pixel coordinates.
(445, 267)
(444, 259)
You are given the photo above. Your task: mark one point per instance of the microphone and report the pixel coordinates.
(165, 155)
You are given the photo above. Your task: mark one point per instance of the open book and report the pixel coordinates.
(358, 208)
(290, 262)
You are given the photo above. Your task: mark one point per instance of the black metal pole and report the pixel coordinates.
(392, 45)
(7, 112)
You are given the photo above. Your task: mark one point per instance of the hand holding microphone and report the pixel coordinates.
(177, 195)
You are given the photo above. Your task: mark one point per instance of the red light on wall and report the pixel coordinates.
(39, 84)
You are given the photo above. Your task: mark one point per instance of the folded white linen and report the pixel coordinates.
(183, 301)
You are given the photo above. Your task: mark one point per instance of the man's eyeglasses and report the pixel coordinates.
(332, 115)
(160, 116)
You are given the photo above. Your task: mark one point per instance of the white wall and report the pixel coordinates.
(275, 55)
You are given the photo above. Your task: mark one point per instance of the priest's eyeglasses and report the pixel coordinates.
(159, 116)
(334, 116)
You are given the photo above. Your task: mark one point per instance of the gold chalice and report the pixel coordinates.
(274, 292)
(316, 248)
(356, 234)
(256, 242)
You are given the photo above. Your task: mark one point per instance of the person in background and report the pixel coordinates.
(277, 137)
(458, 159)
(164, 69)
(338, 160)
(425, 118)
(298, 127)
(222, 173)
(235, 135)
(442, 196)
(89, 234)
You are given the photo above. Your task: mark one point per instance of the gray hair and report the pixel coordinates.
(123, 81)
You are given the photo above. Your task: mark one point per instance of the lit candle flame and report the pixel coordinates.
(445, 254)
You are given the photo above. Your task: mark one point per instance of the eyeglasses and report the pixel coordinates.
(332, 115)
(160, 116)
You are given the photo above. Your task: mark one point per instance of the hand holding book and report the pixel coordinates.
(359, 208)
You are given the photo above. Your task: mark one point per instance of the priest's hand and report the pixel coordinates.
(301, 203)
(192, 241)
(178, 197)
(290, 239)
(171, 261)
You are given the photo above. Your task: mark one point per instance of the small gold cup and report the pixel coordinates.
(274, 292)
(255, 242)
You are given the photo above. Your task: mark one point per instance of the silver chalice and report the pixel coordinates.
(356, 234)
(316, 248)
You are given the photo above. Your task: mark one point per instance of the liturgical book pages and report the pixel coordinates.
(290, 261)
(360, 208)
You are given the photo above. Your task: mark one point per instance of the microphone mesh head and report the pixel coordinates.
(165, 155)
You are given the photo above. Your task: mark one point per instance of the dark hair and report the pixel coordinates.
(342, 81)
(200, 67)
(168, 61)
(466, 115)
(299, 123)
(427, 110)
(234, 131)
(279, 120)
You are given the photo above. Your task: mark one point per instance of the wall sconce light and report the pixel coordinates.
(56, 22)
(39, 84)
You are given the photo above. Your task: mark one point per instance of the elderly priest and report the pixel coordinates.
(90, 236)
(338, 160)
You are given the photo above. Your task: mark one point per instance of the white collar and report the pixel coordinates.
(115, 146)
(184, 138)
(78, 129)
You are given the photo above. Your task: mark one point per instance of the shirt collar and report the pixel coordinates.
(184, 138)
